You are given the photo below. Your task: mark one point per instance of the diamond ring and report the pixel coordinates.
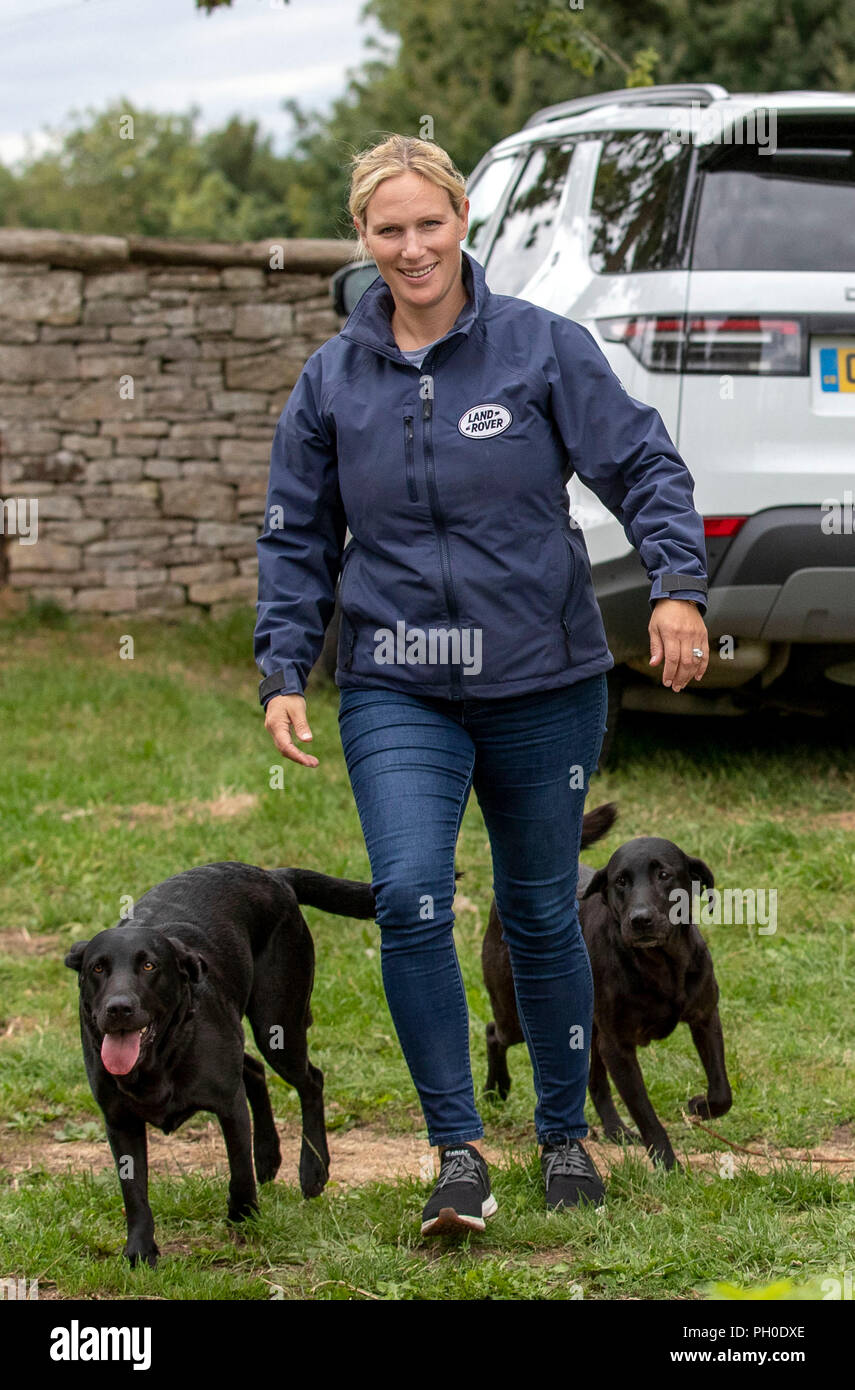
(696, 651)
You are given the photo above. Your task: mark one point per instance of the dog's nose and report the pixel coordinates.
(120, 1006)
(641, 918)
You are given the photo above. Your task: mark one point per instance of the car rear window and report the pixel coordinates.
(637, 206)
(793, 209)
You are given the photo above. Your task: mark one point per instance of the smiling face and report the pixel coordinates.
(410, 227)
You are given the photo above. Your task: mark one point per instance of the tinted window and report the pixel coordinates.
(529, 223)
(484, 197)
(636, 210)
(793, 210)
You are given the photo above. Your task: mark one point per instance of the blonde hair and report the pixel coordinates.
(396, 155)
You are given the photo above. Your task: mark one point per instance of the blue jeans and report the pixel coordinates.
(411, 760)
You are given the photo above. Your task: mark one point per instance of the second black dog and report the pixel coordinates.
(162, 998)
(652, 969)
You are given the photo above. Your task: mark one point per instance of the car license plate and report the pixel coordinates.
(837, 367)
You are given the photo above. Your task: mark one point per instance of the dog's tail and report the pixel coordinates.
(597, 823)
(346, 897)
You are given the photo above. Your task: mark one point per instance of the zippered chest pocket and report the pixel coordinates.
(410, 452)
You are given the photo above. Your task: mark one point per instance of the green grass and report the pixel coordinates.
(86, 736)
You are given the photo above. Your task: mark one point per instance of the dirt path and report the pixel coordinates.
(361, 1155)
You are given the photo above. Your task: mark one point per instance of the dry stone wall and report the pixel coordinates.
(140, 385)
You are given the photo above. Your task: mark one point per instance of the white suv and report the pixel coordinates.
(707, 241)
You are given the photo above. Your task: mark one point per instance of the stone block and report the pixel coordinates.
(200, 500)
(45, 555)
(55, 297)
(110, 600)
(211, 533)
(122, 284)
(237, 588)
(40, 364)
(264, 321)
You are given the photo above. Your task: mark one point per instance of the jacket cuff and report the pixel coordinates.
(689, 586)
(276, 684)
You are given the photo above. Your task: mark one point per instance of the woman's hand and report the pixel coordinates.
(675, 627)
(282, 712)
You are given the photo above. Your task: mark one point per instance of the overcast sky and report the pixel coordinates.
(58, 55)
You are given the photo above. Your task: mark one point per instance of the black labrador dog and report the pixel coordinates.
(652, 969)
(162, 999)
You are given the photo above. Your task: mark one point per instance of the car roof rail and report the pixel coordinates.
(676, 94)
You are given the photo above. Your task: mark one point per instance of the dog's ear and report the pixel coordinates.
(74, 959)
(599, 884)
(190, 962)
(699, 872)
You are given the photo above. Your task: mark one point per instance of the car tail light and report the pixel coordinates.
(742, 344)
(656, 340)
(723, 525)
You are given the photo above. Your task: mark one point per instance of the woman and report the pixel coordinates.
(442, 425)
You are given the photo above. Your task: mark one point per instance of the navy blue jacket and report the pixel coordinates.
(464, 574)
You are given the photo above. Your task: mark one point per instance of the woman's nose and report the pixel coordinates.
(412, 245)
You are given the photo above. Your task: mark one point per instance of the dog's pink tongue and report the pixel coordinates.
(119, 1052)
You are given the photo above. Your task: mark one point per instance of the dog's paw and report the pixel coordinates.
(267, 1164)
(313, 1183)
(622, 1134)
(242, 1211)
(699, 1105)
(667, 1159)
(314, 1171)
(141, 1251)
(496, 1090)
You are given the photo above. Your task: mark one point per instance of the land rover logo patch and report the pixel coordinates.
(484, 420)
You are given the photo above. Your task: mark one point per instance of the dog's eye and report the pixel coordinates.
(621, 881)
(98, 969)
(664, 873)
(148, 965)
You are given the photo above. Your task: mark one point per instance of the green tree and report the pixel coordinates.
(462, 72)
(125, 170)
(479, 68)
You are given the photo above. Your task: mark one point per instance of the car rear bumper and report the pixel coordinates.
(782, 578)
(786, 577)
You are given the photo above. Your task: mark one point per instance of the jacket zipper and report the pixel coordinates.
(344, 618)
(571, 570)
(439, 524)
(409, 455)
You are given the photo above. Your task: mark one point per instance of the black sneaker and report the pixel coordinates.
(570, 1176)
(462, 1197)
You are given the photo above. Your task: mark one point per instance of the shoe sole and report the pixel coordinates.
(451, 1222)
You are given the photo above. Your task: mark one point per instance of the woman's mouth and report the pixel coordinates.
(421, 274)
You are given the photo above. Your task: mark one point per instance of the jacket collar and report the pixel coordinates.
(370, 322)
